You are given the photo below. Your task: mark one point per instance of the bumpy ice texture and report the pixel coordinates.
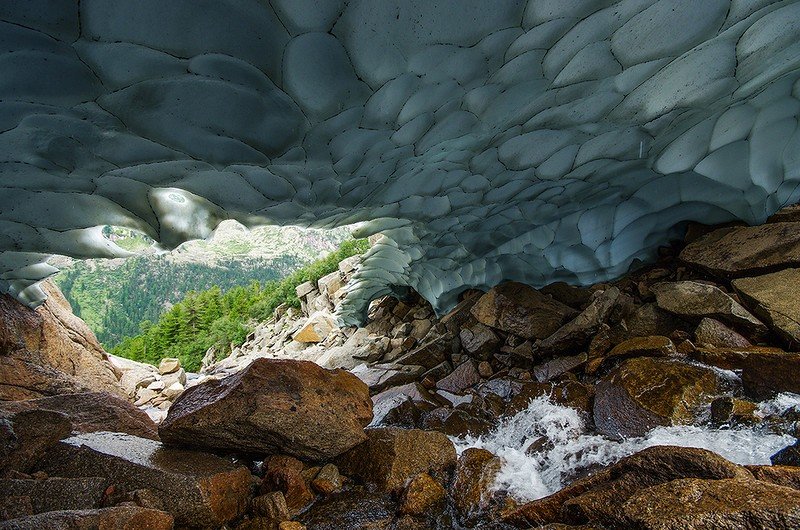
(535, 140)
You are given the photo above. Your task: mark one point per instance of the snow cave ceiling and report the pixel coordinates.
(536, 141)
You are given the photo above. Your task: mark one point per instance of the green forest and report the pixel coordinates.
(115, 300)
(218, 317)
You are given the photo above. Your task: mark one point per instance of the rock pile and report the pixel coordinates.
(362, 436)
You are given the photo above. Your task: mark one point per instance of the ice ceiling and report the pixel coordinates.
(487, 140)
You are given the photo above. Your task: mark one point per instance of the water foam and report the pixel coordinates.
(573, 449)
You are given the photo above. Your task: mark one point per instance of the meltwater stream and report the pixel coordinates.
(528, 475)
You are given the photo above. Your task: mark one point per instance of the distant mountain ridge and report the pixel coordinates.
(114, 296)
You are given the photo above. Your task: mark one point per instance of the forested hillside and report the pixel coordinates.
(216, 318)
(116, 296)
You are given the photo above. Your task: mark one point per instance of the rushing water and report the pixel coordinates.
(528, 475)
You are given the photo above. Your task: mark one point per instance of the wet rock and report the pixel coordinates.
(26, 435)
(473, 481)
(556, 367)
(773, 297)
(53, 494)
(697, 504)
(651, 346)
(700, 300)
(479, 341)
(628, 403)
(92, 412)
(766, 373)
(575, 297)
(379, 377)
(198, 489)
(429, 353)
(648, 320)
(49, 350)
(389, 400)
(517, 308)
(463, 377)
(316, 328)
(598, 498)
(117, 517)
(357, 509)
(391, 456)
(574, 335)
(788, 456)
(285, 474)
(455, 422)
(712, 332)
(745, 250)
(732, 411)
(788, 476)
(273, 406)
(571, 394)
(422, 496)
(327, 480)
(271, 506)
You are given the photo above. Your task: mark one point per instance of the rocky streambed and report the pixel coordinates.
(669, 399)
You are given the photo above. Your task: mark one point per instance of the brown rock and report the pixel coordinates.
(746, 250)
(575, 297)
(92, 412)
(463, 377)
(54, 494)
(356, 510)
(391, 456)
(697, 504)
(273, 406)
(49, 350)
(285, 474)
(456, 422)
(628, 403)
(271, 506)
(652, 346)
(198, 489)
(473, 481)
(700, 300)
(575, 334)
(519, 309)
(773, 297)
(558, 366)
(765, 373)
(485, 369)
(711, 332)
(316, 328)
(422, 496)
(602, 504)
(327, 480)
(788, 476)
(291, 525)
(115, 518)
(379, 377)
(732, 411)
(479, 341)
(429, 353)
(25, 436)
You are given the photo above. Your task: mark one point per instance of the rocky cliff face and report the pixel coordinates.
(49, 351)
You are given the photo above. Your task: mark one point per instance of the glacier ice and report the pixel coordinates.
(535, 141)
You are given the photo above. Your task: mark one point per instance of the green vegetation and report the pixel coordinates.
(221, 319)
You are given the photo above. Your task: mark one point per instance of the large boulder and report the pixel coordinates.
(49, 350)
(700, 300)
(645, 392)
(26, 435)
(745, 250)
(199, 489)
(473, 482)
(522, 310)
(92, 412)
(273, 406)
(773, 297)
(56, 493)
(391, 456)
(114, 518)
(599, 497)
(698, 504)
(768, 372)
